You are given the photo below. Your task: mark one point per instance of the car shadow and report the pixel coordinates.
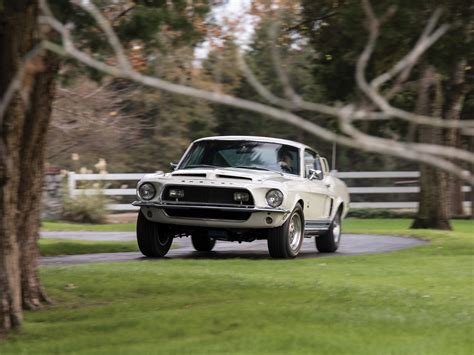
(226, 255)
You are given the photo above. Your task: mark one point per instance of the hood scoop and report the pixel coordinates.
(191, 175)
(222, 176)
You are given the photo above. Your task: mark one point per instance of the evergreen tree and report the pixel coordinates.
(337, 32)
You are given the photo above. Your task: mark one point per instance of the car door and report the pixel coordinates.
(317, 199)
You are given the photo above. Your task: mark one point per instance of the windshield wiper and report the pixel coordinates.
(256, 168)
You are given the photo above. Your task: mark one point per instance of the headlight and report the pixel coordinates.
(274, 198)
(147, 191)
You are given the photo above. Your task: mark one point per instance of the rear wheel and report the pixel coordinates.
(154, 239)
(329, 241)
(202, 242)
(285, 242)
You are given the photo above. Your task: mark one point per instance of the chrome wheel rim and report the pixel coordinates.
(336, 230)
(295, 232)
(161, 237)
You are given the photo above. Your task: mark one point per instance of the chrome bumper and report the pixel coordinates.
(208, 206)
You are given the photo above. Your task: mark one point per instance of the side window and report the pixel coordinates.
(325, 165)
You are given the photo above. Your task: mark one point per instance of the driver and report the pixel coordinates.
(285, 161)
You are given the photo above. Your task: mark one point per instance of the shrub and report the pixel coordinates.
(85, 208)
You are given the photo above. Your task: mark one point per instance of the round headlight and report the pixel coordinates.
(274, 198)
(147, 191)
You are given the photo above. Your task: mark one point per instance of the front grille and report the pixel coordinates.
(207, 194)
(207, 214)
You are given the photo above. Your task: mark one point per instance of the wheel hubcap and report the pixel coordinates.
(295, 232)
(336, 230)
(161, 237)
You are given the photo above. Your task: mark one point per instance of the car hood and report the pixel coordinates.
(230, 174)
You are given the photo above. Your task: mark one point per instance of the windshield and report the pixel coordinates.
(243, 154)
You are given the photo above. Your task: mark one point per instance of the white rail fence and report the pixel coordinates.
(75, 188)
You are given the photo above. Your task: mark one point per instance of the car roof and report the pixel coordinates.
(257, 139)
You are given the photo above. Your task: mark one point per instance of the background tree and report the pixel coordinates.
(172, 121)
(159, 38)
(338, 38)
(222, 69)
(25, 115)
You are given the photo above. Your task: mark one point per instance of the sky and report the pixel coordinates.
(231, 10)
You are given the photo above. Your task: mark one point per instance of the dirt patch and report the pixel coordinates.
(116, 218)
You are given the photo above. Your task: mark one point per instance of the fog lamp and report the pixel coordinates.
(241, 196)
(176, 193)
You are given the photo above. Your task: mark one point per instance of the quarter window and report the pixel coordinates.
(311, 161)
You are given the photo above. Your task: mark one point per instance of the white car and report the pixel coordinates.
(242, 188)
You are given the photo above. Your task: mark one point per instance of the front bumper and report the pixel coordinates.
(258, 217)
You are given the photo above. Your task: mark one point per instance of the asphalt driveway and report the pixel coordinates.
(351, 244)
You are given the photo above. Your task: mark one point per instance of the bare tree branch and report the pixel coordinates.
(389, 146)
(371, 89)
(448, 152)
(278, 64)
(300, 104)
(406, 64)
(104, 24)
(312, 21)
(431, 154)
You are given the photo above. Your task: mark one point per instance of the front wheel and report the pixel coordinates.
(154, 240)
(329, 241)
(285, 242)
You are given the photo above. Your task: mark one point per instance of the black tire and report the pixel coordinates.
(329, 241)
(280, 241)
(202, 242)
(154, 240)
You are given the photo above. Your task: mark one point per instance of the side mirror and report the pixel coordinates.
(315, 174)
(173, 166)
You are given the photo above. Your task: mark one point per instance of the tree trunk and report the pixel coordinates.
(22, 140)
(455, 95)
(32, 172)
(433, 206)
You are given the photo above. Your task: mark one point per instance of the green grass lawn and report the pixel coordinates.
(413, 301)
(350, 225)
(49, 226)
(401, 227)
(51, 247)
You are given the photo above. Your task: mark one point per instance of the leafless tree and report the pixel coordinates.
(89, 120)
